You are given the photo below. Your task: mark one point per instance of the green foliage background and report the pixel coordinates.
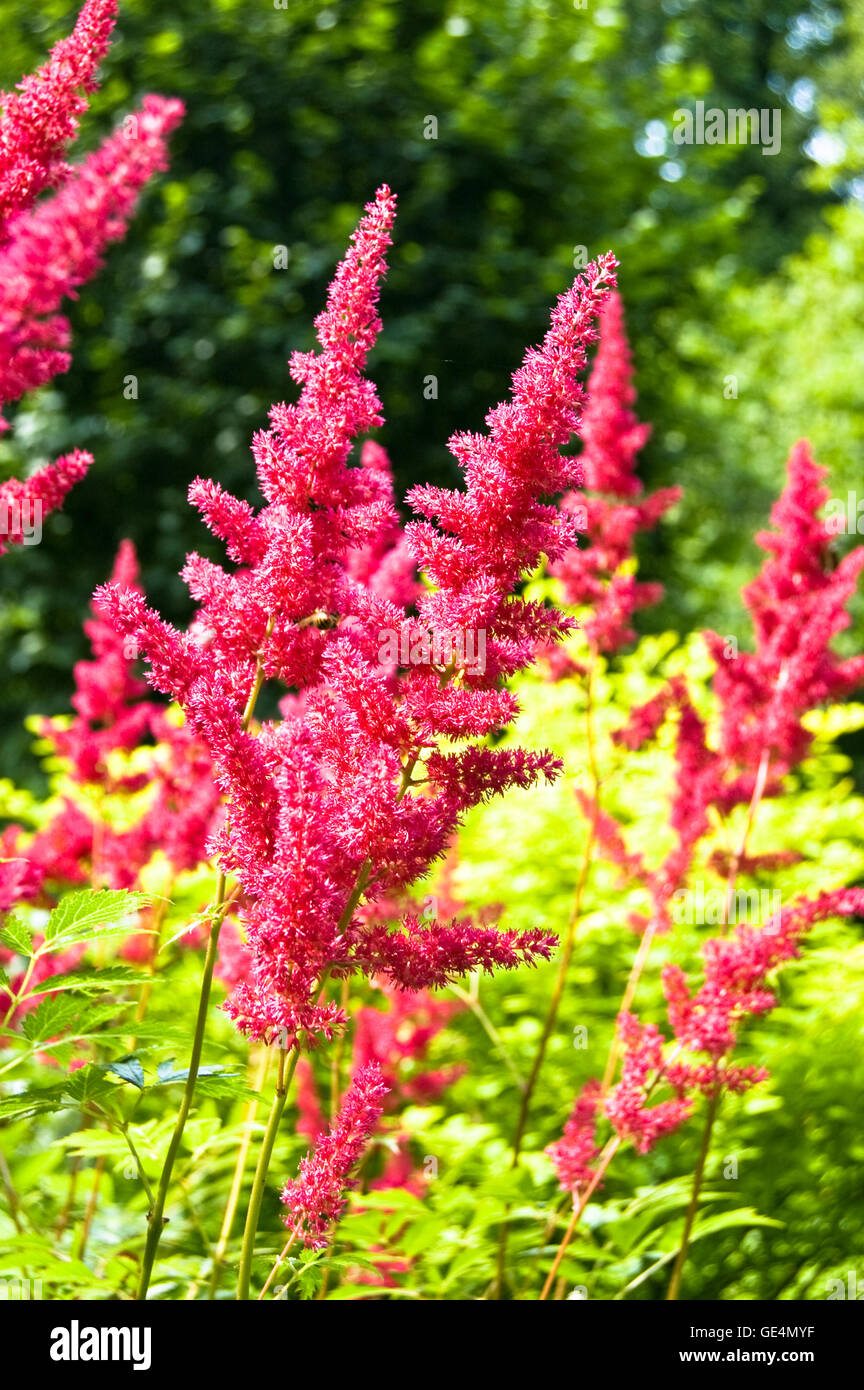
(554, 132)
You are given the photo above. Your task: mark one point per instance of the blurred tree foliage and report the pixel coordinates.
(553, 133)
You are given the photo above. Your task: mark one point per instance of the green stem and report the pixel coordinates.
(253, 1212)
(145, 1182)
(693, 1207)
(155, 1217)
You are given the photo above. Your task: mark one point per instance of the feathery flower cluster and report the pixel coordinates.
(574, 1153)
(316, 1199)
(41, 118)
(49, 250)
(392, 1038)
(351, 795)
(705, 1028)
(182, 805)
(735, 971)
(625, 1106)
(610, 508)
(798, 603)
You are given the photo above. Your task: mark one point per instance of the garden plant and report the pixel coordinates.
(409, 924)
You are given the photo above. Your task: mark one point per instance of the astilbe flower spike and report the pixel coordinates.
(172, 773)
(798, 603)
(41, 117)
(705, 1030)
(57, 246)
(316, 1199)
(353, 794)
(609, 507)
(574, 1153)
(49, 248)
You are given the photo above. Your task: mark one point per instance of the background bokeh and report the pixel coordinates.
(553, 132)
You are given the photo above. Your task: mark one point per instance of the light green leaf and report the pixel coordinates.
(82, 916)
(51, 1019)
(17, 936)
(88, 981)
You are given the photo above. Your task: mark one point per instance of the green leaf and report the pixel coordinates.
(228, 1086)
(84, 915)
(51, 1019)
(87, 981)
(167, 1072)
(88, 1083)
(721, 1221)
(128, 1069)
(49, 1098)
(17, 936)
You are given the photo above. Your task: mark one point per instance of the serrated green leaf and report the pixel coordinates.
(51, 1019)
(88, 1083)
(167, 1072)
(88, 981)
(84, 915)
(230, 1086)
(17, 937)
(49, 1098)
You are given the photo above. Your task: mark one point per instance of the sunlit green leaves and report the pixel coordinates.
(84, 915)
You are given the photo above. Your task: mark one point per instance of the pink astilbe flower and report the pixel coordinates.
(610, 510)
(182, 807)
(110, 713)
(574, 1153)
(797, 604)
(23, 504)
(735, 972)
(429, 956)
(396, 1039)
(626, 1105)
(316, 1199)
(41, 117)
(352, 795)
(50, 248)
(384, 564)
(54, 248)
(705, 1025)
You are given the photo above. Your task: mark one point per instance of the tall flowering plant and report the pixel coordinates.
(797, 604)
(597, 577)
(358, 789)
